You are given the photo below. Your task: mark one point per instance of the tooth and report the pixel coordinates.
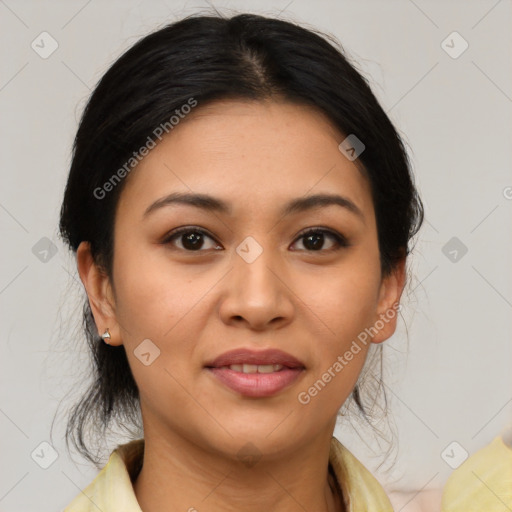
(266, 368)
(254, 368)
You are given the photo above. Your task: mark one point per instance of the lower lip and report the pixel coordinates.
(257, 385)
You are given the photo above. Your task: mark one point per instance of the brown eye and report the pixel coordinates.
(314, 240)
(191, 239)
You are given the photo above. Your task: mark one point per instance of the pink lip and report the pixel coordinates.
(241, 356)
(256, 385)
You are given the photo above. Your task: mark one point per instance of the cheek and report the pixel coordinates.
(344, 300)
(345, 305)
(158, 301)
(149, 294)
(151, 305)
(341, 349)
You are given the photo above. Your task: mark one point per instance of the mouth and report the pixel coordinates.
(256, 374)
(254, 368)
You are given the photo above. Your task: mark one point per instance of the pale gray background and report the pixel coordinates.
(452, 383)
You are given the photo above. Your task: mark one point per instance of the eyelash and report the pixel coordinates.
(340, 240)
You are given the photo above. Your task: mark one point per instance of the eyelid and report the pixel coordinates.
(185, 229)
(341, 240)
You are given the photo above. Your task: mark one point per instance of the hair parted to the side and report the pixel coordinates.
(209, 58)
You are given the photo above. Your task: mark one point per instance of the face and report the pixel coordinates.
(246, 325)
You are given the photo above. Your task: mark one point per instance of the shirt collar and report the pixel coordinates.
(112, 489)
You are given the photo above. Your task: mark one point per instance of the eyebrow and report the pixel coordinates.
(213, 204)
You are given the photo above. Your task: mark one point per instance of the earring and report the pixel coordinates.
(106, 336)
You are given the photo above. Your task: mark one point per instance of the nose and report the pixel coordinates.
(257, 294)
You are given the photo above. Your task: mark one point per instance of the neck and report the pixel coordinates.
(179, 475)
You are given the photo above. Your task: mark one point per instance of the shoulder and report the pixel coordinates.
(361, 490)
(112, 488)
(482, 482)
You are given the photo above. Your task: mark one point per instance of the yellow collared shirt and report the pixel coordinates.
(483, 483)
(112, 489)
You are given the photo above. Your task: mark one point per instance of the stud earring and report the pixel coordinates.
(106, 336)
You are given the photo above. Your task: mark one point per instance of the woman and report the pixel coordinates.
(241, 209)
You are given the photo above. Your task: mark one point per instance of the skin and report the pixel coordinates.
(196, 305)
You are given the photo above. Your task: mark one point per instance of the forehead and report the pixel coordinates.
(254, 154)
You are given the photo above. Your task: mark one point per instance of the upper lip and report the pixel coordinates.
(261, 357)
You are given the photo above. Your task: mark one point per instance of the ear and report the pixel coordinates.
(99, 291)
(389, 299)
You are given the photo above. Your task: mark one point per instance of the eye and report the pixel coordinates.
(314, 239)
(191, 239)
